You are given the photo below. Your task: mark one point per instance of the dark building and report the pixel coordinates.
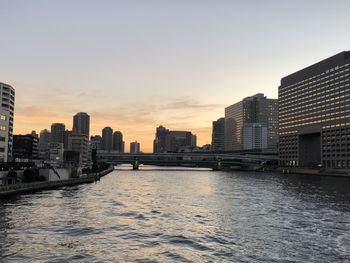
(81, 124)
(135, 147)
(159, 141)
(118, 143)
(66, 135)
(314, 115)
(107, 139)
(25, 147)
(96, 142)
(176, 141)
(257, 111)
(57, 132)
(218, 135)
(72, 158)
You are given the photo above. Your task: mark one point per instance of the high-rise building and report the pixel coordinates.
(218, 135)
(44, 140)
(7, 96)
(135, 147)
(81, 124)
(66, 135)
(96, 142)
(25, 147)
(79, 143)
(159, 141)
(176, 141)
(254, 136)
(118, 143)
(57, 132)
(107, 139)
(255, 109)
(314, 114)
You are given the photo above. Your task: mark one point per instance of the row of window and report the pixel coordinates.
(317, 77)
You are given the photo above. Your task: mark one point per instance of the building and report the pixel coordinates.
(81, 124)
(44, 140)
(96, 142)
(314, 114)
(254, 136)
(7, 108)
(66, 135)
(107, 139)
(25, 147)
(56, 151)
(135, 147)
(176, 141)
(118, 143)
(218, 135)
(80, 143)
(255, 109)
(57, 132)
(159, 141)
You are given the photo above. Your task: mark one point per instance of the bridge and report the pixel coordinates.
(214, 161)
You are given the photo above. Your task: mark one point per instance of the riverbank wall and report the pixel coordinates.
(38, 186)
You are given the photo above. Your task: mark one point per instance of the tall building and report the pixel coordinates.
(44, 140)
(218, 135)
(66, 135)
(96, 142)
(255, 109)
(7, 96)
(81, 124)
(254, 136)
(135, 147)
(79, 143)
(159, 141)
(57, 132)
(118, 143)
(176, 141)
(25, 147)
(314, 114)
(107, 139)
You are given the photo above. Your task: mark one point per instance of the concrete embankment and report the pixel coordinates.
(37, 186)
(314, 171)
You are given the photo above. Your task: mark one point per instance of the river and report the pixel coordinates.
(181, 215)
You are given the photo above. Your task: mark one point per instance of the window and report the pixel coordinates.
(3, 117)
(2, 128)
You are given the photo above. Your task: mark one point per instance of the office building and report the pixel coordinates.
(81, 124)
(57, 132)
(25, 147)
(107, 139)
(314, 115)
(218, 135)
(44, 140)
(135, 147)
(159, 141)
(118, 143)
(254, 109)
(96, 142)
(176, 141)
(7, 95)
(79, 143)
(66, 135)
(56, 151)
(254, 136)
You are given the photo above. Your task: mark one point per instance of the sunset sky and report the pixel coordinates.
(134, 65)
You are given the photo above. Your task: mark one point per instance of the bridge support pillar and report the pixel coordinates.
(135, 165)
(218, 166)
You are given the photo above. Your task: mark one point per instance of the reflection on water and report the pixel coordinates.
(182, 215)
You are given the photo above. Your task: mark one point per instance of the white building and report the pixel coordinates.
(7, 96)
(79, 143)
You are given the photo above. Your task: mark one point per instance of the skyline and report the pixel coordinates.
(75, 58)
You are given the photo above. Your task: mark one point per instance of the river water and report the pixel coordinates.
(181, 216)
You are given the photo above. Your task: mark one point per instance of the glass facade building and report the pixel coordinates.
(314, 115)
